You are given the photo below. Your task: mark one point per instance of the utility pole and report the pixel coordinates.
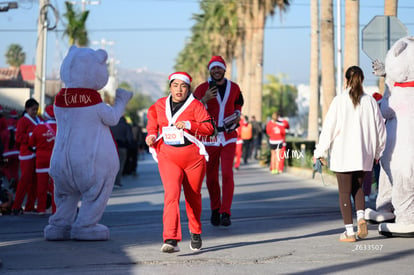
(338, 47)
(40, 79)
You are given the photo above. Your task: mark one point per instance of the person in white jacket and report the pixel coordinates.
(354, 134)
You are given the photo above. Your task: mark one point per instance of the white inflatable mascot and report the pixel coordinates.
(84, 162)
(396, 185)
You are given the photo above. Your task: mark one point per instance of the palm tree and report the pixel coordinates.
(15, 55)
(219, 31)
(76, 26)
(278, 97)
(214, 33)
(313, 118)
(255, 13)
(327, 55)
(351, 48)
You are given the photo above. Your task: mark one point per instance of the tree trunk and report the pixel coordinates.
(390, 7)
(351, 48)
(327, 55)
(313, 118)
(256, 81)
(247, 64)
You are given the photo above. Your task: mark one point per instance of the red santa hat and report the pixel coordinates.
(218, 61)
(378, 97)
(13, 114)
(49, 113)
(181, 76)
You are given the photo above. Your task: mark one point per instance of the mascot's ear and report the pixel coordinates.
(399, 48)
(102, 56)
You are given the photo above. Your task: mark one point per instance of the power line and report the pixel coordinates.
(162, 29)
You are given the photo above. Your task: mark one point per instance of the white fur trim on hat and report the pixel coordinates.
(218, 64)
(180, 76)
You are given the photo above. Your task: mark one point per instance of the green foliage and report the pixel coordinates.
(76, 26)
(137, 103)
(279, 97)
(15, 55)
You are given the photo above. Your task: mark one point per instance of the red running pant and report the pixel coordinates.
(44, 185)
(26, 185)
(221, 199)
(239, 152)
(11, 171)
(181, 166)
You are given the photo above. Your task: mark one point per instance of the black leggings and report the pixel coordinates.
(350, 183)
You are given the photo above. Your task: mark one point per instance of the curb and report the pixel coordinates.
(326, 179)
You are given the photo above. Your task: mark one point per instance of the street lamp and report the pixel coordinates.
(10, 5)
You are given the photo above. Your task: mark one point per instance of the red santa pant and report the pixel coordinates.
(239, 152)
(281, 158)
(44, 186)
(26, 185)
(221, 200)
(181, 166)
(11, 171)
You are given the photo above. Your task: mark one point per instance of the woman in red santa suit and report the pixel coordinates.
(27, 182)
(174, 125)
(43, 139)
(276, 130)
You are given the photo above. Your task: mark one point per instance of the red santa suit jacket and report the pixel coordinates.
(221, 108)
(159, 116)
(43, 138)
(25, 127)
(11, 151)
(276, 130)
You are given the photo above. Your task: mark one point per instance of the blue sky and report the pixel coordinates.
(150, 33)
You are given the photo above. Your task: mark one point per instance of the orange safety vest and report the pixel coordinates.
(246, 131)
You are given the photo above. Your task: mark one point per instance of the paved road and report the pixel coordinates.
(281, 224)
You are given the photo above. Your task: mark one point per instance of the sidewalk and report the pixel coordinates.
(281, 224)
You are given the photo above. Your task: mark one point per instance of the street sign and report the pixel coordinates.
(380, 34)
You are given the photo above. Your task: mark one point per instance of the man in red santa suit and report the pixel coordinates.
(223, 100)
(43, 139)
(175, 124)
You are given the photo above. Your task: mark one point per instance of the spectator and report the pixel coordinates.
(257, 137)
(247, 137)
(122, 133)
(11, 152)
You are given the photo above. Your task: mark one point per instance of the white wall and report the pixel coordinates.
(14, 98)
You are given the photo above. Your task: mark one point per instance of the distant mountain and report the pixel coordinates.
(145, 82)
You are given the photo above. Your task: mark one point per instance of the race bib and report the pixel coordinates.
(172, 135)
